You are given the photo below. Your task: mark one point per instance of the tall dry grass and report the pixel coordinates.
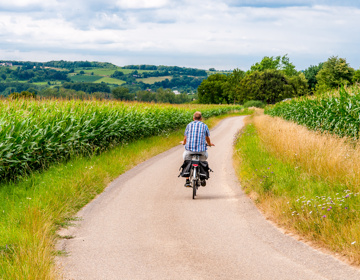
(304, 181)
(324, 155)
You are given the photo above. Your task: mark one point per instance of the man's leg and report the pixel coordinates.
(203, 158)
(187, 156)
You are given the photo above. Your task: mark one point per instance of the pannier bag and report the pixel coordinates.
(203, 167)
(204, 170)
(185, 169)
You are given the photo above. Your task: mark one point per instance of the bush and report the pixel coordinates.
(254, 103)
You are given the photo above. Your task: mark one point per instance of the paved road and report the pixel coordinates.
(147, 226)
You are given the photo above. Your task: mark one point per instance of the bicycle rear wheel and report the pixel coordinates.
(194, 186)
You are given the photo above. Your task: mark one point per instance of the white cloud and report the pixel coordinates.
(20, 5)
(141, 4)
(169, 30)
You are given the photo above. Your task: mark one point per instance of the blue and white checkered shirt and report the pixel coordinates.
(195, 133)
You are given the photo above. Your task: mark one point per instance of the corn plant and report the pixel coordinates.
(338, 114)
(34, 134)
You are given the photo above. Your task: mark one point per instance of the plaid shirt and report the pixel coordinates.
(195, 133)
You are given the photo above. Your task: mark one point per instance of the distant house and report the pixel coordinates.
(6, 64)
(176, 92)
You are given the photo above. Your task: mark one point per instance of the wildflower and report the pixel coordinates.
(329, 209)
(352, 243)
(310, 212)
(324, 216)
(346, 208)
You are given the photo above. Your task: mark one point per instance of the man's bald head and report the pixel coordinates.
(197, 116)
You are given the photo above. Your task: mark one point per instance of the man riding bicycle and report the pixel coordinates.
(196, 140)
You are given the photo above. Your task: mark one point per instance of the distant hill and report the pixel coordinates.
(90, 76)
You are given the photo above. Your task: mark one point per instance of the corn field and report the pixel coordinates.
(34, 134)
(334, 113)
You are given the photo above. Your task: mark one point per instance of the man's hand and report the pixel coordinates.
(182, 143)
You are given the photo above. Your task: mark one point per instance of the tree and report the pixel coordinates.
(271, 86)
(299, 85)
(287, 67)
(356, 77)
(310, 75)
(145, 96)
(266, 63)
(334, 73)
(211, 90)
(122, 93)
(275, 63)
(22, 95)
(165, 96)
(232, 85)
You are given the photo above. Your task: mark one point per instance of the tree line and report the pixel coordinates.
(275, 79)
(119, 93)
(169, 69)
(32, 74)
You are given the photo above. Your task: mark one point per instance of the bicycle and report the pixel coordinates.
(195, 173)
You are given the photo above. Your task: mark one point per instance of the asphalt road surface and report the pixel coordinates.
(147, 226)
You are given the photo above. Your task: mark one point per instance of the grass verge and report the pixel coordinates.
(33, 209)
(279, 167)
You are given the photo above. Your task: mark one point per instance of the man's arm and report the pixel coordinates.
(208, 141)
(184, 141)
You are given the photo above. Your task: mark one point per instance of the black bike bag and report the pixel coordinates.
(185, 169)
(204, 170)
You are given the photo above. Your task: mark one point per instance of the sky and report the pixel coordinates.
(220, 34)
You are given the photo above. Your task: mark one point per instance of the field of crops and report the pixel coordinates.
(85, 78)
(109, 80)
(33, 134)
(153, 80)
(337, 113)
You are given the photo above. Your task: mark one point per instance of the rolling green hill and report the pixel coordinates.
(17, 76)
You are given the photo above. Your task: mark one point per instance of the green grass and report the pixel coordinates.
(324, 212)
(127, 71)
(109, 80)
(107, 71)
(85, 78)
(53, 83)
(99, 71)
(34, 208)
(153, 80)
